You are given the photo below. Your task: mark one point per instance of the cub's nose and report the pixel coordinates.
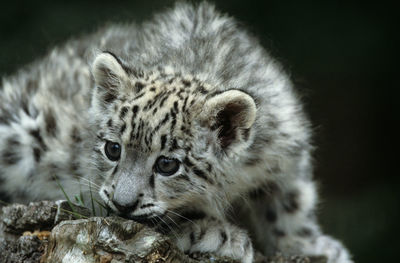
(125, 208)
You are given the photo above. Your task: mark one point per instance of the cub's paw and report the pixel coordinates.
(216, 237)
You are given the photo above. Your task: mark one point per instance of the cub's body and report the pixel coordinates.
(185, 120)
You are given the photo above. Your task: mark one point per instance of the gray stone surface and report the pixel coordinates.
(91, 240)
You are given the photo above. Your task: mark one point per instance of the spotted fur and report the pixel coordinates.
(192, 89)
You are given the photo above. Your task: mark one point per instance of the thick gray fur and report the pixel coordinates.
(191, 85)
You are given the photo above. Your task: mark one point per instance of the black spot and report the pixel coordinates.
(174, 145)
(184, 177)
(110, 123)
(271, 216)
(115, 170)
(51, 124)
(146, 205)
(151, 181)
(186, 83)
(176, 107)
(163, 141)
(187, 162)
(139, 96)
(305, 232)
(201, 174)
(75, 135)
(257, 193)
(163, 100)
(202, 90)
(36, 134)
(290, 203)
(192, 238)
(192, 215)
(246, 134)
(224, 237)
(153, 89)
(37, 154)
(123, 127)
(139, 86)
(123, 112)
(10, 156)
(109, 97)
(135, 109)
(279, 233)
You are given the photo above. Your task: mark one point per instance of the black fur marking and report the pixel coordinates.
(110, 123)
(51, 124)
(37, 154)
(186, 83)
(202, 90)
(139, 86)
(151, 181)
(123, 112)
(224, 237)
(184, 104)
(115, 170)
(36, 134)
(163, 141)
(123, 128)
(10, 156)
(279, 233)
(192, 238)
(176, 107)
(174, 145)
(257, 193)
(135, 109)
(305, 232)
(146, 205)
(201, 174)
(187, 162)
(163, 100)
(271, 215)
(109, 97)
(75, 136)
(291, 204)
(183, 177)
(139, 96)
(192, 215)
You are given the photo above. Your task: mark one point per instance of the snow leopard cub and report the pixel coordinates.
(185, 121)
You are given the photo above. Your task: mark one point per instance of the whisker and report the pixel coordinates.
(170, 211)
(90, 182)
(170, 228)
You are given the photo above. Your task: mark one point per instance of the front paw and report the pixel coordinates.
(219, 238)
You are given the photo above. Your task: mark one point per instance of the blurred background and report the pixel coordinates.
(341, 56)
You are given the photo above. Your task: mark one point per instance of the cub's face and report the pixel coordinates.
(161, 138)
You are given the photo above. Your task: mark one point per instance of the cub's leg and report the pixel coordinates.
(214, 236)
(280, 218)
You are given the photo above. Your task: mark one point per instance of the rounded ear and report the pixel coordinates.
(108, 71)
(232, 113)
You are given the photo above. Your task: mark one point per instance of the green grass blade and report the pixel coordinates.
(66, 196)
(91, 199)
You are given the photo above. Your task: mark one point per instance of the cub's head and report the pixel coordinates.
(165, 141)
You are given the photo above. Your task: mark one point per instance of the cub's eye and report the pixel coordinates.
(112, 150)
(166, 166)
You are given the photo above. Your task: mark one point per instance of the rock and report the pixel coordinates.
(91, 240)
(27, 249)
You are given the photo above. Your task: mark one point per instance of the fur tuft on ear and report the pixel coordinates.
(107, 71)
(232, 112)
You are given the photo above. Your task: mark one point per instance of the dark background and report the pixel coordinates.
(341, 56)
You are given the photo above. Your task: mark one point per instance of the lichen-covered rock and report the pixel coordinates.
(91, 240)
(27, 249)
